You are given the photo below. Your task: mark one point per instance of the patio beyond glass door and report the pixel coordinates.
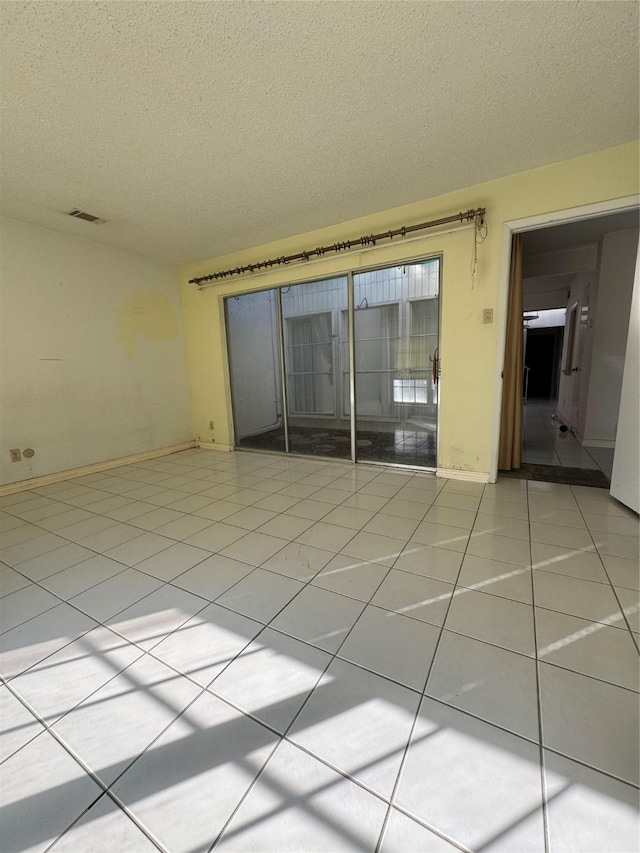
(294, 371)
(396, 325)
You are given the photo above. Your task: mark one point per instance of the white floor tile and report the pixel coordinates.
(591, 721)
(622, 572)
(183, 527)
(403, 834)
(150, 620)
(516, 528)
(563, 561)
(472, 782)
(82, 576)
(272, 678)
(286, 526)
(492, 683)
(405, 509)
(501, 548)
(216, 537)
(429, 561)
(109, 823)
(11, 581)
(213, 576)
(34, 640)
(591, 648)
(16, 555)
(565, 537)
(414, 596)
(589, 812)
(254, 548)
(374, 548)
(493, 619)
(260, 595)
(44, 791)
(345, 516)
(187, 785)
(172, 561)
(63, 680)
(18, 726)
(442, 535)
(108, 541)
(133, 708)
(392, 645)
(350, 576)
(612, 544)
(24, 604)
(137, 549)
(113, 595)
(156, 518)
(54, 561)
(301, 804)
(328, 537)
(250, 517)
(496, 578)
(298, 561)
(358, 722)
(445, 515)
(576, 596)
(319, 617)
(204, 645)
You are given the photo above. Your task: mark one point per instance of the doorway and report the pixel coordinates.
(344, 368)
(577, 281)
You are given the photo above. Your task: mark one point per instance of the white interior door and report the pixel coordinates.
(625, 479)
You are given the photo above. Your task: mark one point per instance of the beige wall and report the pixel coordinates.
(471, 351)
(92, 362)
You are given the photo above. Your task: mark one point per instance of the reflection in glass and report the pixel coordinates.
(254, 363)
(311, 319)
(396, 341)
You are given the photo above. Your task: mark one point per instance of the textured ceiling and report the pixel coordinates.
(200, 128)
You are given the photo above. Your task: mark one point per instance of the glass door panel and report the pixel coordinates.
(312, 348)
(396, 325)
(254, 363)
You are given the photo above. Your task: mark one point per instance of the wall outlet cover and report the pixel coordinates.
(16, 456)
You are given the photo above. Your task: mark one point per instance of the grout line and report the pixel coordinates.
(423, 697)
(543, 774)
(615, 591)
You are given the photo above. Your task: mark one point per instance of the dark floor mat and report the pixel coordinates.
(556, 474)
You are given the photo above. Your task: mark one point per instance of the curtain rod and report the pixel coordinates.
(476, 214)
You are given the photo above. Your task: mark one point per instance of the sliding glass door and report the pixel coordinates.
(311, 314)
(396, 313)
(295, 371)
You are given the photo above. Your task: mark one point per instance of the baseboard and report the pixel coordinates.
(95, 468)
(468, 476)
(598, 442)
(211, 445)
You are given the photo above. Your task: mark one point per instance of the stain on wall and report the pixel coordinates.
(148, 313)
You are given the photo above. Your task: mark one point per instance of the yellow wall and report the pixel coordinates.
(470, 350)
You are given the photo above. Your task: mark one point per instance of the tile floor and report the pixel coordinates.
(247, 652)
(544, 444)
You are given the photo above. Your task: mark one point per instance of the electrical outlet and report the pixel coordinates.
(16, 456)
(487, 315)
(211, 425)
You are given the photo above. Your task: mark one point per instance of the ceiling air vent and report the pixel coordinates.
(88, 217)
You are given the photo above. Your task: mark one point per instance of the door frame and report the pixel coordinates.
(519, 226)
